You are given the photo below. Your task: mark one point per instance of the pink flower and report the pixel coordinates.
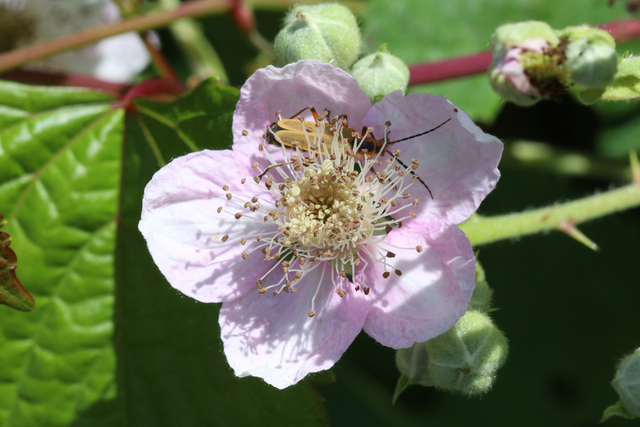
(507, 73)
(341, 248)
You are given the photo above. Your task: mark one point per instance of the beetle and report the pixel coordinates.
(292, 132)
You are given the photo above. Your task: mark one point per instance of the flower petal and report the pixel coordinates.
(184, 231)
(273, 337)
(121, 58)
(433, 291)
(290, 89)
(457, 161)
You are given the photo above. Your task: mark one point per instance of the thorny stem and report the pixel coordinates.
(561, 216)
(153, 20)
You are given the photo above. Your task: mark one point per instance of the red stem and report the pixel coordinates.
(157, 57)
(623, 30)
(57, 79)
(446, 69)
(243, 16)
(160, 89)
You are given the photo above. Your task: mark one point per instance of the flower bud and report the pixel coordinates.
(525, 67)
(481, 298)
(327, 32)
(591, 94)
(464, 359)
(512, 35)
(627, 383)
(381, 73)
(591, 56)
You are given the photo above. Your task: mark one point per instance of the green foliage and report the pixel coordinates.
(59, 180)
(200, 119)
(71, 191)
(616, 410)
(12, 293)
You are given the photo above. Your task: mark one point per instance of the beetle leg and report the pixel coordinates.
(310, 108)
(264, 172)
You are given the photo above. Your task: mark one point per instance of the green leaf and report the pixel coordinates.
(419, 31)
(200, 119)
(626, 83)
(59, 180)
(173, 371)
(616, 410)
(403, 383)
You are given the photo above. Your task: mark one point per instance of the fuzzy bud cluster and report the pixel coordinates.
(381, 73)
(329, 33)
(464, 359)
(627, 383)
(532, 61)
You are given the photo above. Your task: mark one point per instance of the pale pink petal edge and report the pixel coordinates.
(432, 293)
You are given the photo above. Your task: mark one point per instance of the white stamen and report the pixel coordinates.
(324, 210)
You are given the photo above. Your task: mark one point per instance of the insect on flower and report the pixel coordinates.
(293, 133)
(312, 254)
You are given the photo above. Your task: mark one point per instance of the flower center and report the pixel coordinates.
(324, 209)
(333, 205)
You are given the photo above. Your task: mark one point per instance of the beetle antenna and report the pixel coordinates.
(420, 134)
(415, 174)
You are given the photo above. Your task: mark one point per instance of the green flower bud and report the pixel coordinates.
(586, 32)
(626, 84)
(327, 32)
(591, 56)
(627, 383)
(413, 363)
(511, 35)
(381, 73)
(590, 95)
(464, 359)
